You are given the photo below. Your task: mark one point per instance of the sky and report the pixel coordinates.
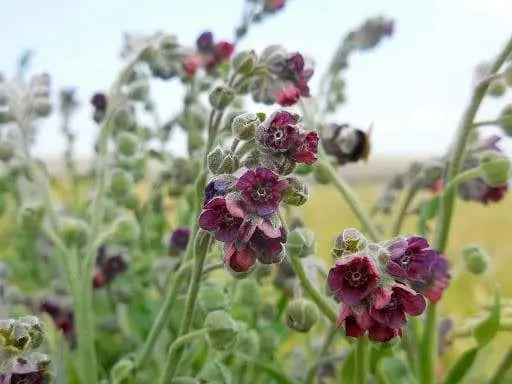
(413, 87)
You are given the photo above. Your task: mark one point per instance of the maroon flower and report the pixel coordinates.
(353, 278)
(392, 305)
(434, 285)
(204, 42)
(239, 257)
(223, 50)
(262, 191)
(306, 148)
(287, 96)
(279, 132)
(357, 319)
(411, 258)
(268, 250)
(191, 64)
(383, 334)
(62, 317)
(99, 101)
(217, 217)
(179, 240)
(98, 279)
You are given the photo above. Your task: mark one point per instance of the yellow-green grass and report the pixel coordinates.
(491, 226)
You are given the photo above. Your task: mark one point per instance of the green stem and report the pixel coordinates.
(502, 369)
(173, 354)
(484, 123)
(163, 316)
(351, 198)
(428, 350)
(410, 192)
(277, 374)
(361, 360)
(313, 293)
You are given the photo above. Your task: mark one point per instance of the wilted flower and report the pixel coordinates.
(353, 278)
(262, 191)
(346, 144)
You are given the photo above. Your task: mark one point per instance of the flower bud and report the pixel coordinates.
(296, 193)
(497, 87)
(221, 161)
(269, 341)
(249, 343)
(126, 230)
(221, 330)
(42, 106)
(127, 144)
(213, 296)
(244, 125)
(131, 201)
(506, 120)
(495, 167)
(31, 216)
(278, 162)
(6, 150)
(122, 372)
(475, 258)
(124, 120)
(139, 91)
(221, 97)
(121, 184)
(248, 293)
(215, 372)
(74, 232)
(301, 242)
(303, 169)
(301, 315)
(322, 174)
(347, 242)
(244, 62)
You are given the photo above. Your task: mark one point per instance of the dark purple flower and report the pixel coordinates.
(216, 188)
(114, 265)
(279, 132)
(204, 42)
(217, 217)
(99, 101)
(239, 257)
(434, 285)
(179, 240)
(383, 334)
(411, 258)
(261, 190)
(392, 304)
(353, 278)
(268, 250)
(294, 64)
(305, 148)
(478, 190)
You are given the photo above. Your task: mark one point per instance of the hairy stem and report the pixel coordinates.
(410, 192)
(429, 343)
(361, 360)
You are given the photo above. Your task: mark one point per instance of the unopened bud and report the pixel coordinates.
(74, 232)
(249, 343)
(475, 258)
(139, 91)
(301, 242)
(296, 193)
(248, 293)
(31, 216)
(221, 330)
(506, 120)
(127, 144)
(213, 296)
(244, 62)
(244, 125)
(221, 161)
(42, 106)
(126, 230)
(215, 372)
(497, 87)
(6, 150)
(121, 183)
(495, 167)
(131, 201)
(278, 162)
(350, 241)
(221, 97)
(322, 174)
(124, 120)
(301, 315)
(122, 372)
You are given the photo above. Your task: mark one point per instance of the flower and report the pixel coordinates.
(217, 217)
(223, 50)
(262, 191)
(99, 101)
(391, 305)
(353, 278)
(204, 42)
(179, 240)
(287, 96)
(216, 188)
(209, 54)
(435, 283)
(383, 334)
(239, 259)
(411, 258)
(478, 190)
(272, 6)
(191, 64)
(306, 148)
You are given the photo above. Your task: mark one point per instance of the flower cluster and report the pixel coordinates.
(242, 213)
(380, 285)
(108, 266)
(286, 77)
(283, 142)
(208, 54)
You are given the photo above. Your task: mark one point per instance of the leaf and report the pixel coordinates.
(462, 366)
(395, 371)
(428, 211)
(487, 329)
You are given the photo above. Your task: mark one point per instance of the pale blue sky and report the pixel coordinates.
(413, 87)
